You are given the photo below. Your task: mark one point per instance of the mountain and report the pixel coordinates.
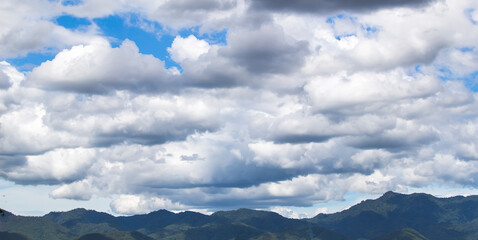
(393, 216)
(403, 234)
(83, 224)
(435, 218)
(33, 227)
(119, 235)
(12, 236)
(277, 226)
(267, 221)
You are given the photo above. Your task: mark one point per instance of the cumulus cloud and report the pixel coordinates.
(59, 165)
(249, 54)
(362, 90)
(25, 27)
(134, 204)
(4, 78)
(99, 68)
(266, 50)
(24, 132)
(189, 48)
(80, 190)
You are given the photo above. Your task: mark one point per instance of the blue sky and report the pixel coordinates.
(209, 105)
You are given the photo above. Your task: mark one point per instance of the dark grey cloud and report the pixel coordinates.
(393, 141)
(8, 162)
(152, 135)
(330, 6)
(266, 50)
(302, 138)
(249, 54)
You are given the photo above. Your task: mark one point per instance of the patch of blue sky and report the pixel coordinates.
(331, 20)
(369, 30)
(470, 79)
(68, 2)
(71, 2)
(466, 49)
(31, 60)
(151, 37)
(469, 14)
(155, 43)
(339, 37)
(418, 68)
(445, 74)
(214, 37)
(71, 22)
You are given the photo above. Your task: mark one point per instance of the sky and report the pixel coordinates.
(297, 107)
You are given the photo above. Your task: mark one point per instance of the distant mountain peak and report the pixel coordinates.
(391, 194)
(435, 218)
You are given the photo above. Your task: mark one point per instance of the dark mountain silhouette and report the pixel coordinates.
(435, 218)
(391, 217)
(268, 221)
(12, 236)
(403, 234)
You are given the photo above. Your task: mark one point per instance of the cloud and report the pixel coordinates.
(133, 204)
(59, 165)
(148, 120)
(189, 48)
(266, 50)
(24, 132)
(365, 89)
(406, 134)
(248, 55)
(99, 68)
(4, 78)
(184, 13)
(325, 6)
(80, 190)
(174, 15)
(25, 28)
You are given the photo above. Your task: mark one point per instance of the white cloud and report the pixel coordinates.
(189, 48)
(99, 68)
(24, 131)
(25, 27)
(134, 204)
(80, 190)
(290, 213)
(365, 89)
(59, 165)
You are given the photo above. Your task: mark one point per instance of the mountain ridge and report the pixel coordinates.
(393, 216)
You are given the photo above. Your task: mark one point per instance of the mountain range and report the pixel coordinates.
(393, 216)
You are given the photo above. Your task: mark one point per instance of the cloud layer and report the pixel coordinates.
(299, 106)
